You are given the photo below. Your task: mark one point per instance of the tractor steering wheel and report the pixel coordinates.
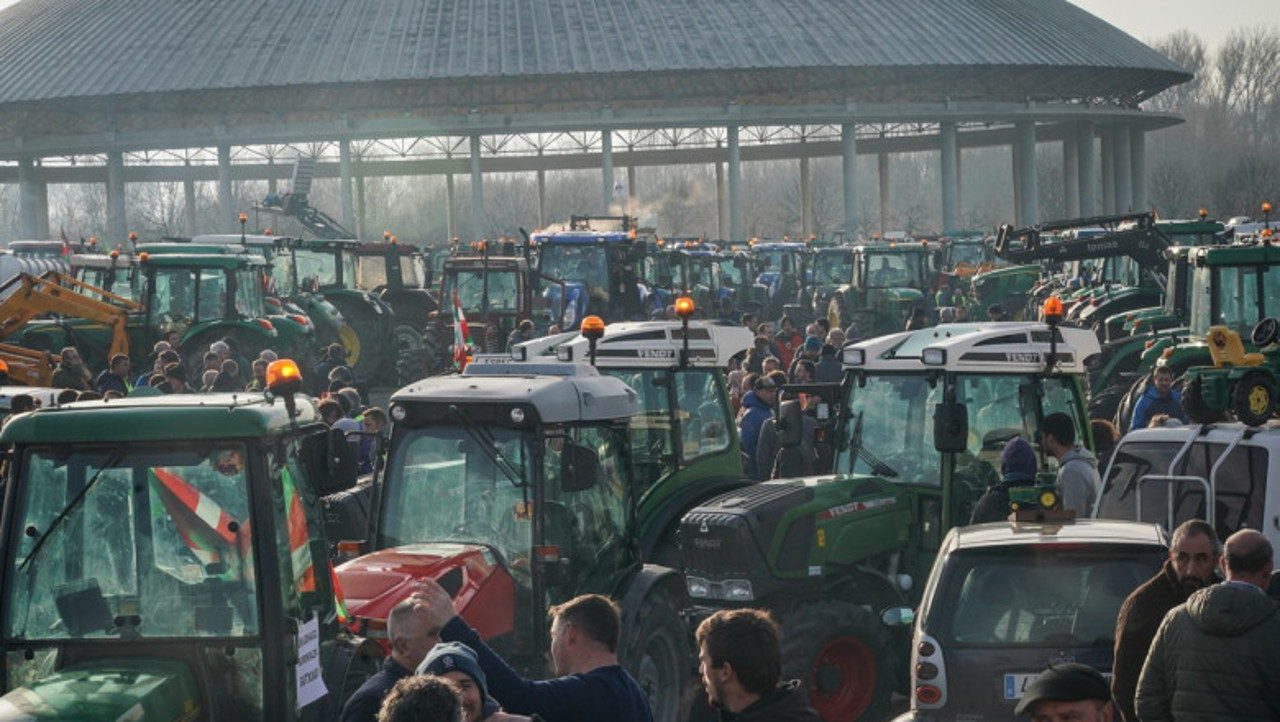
(1266, 332)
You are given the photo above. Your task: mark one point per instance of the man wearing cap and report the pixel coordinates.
(1217, 656)
(457, 662)
(758, 404)
(1068, 692)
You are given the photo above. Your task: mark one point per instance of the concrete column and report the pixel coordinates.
(722, 206)
(950, 215)
(1108, 171)
(1138, 166)
(737, 229)
(806, 205)
(849, 171)
(882, 166)
(345, 184)
(117, 225)
(542, 197)
(360, 212)
(1124, 172)
(271, 175)
(450, 208)
(1071, 175)
(1087, 170)
(606, 170)
(32, 212)
(189, 202)
(1028, 181)
(959, 182)
(1019, 221)
(227, 217)
(633, 196)
(477, 191)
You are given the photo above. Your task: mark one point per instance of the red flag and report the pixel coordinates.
(461, 334)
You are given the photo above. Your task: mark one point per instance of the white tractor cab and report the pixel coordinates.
(1216, 472)
(683, 443)
(1006, 598)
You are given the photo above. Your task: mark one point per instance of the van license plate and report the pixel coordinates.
(1016, 684)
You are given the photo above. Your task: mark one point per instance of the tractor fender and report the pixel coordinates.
(639, 587)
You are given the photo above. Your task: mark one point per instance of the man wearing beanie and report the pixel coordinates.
(1017, 468)
(456, 662)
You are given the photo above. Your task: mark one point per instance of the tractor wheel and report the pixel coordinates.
(365, 352)
(435, 358)
(1254, 398)
(659, 657)
(843, 655)
(1193, 401)
(410, 345)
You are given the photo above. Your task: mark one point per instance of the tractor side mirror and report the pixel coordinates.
(331, 461)
(950, 427)
(789, 424)
(579, 468)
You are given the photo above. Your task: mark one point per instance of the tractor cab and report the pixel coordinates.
(163, 557)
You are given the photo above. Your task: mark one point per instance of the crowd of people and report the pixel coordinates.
(441, 671)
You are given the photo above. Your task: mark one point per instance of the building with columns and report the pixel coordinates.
(133, 91)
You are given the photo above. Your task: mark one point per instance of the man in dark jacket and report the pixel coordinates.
(1193, 555)
(759, 403)
(412, 635)
(1017, 468)
(1218, 655)
(115, 377)
(740, 660)
(584, 650)
(1159, 398)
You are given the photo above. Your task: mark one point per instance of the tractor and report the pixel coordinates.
(924, 417)
(164, 559)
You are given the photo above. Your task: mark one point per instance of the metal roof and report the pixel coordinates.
(649, 51)
(1097, 531)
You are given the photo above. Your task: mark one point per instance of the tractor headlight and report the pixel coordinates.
(698, 587)
(854, 356)
(737, 590)
(934, 357)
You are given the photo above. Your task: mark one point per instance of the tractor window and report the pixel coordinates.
(174, 293)
(892, 271)
(834, 268)
(348, 260)
(479, 292)
(211, 292)
(704, 428)
(443, 485)
(135, 544)
(889, 431)
(588, 522)
(1240, 485)
(653, 448)
(315, 270)
(1237, 296)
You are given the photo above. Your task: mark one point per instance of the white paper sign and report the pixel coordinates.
(310, 682)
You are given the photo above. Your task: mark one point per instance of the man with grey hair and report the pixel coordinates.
(1217, 655)
(412, 635)
(1193, 557)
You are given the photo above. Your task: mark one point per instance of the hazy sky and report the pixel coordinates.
(1150, 19)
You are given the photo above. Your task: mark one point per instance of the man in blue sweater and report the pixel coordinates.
(1159, 398)
(584, 649)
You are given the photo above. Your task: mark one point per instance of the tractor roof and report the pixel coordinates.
(655, 344)
(204, 260)
(159, 418)
(582, 236)
(1236, 255)
(894, 247)
(976, 348)
(561, 393)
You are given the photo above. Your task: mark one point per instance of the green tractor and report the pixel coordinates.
(164, 559)
(396, 273)
(925, 416)
(888, 281)
(197, 298)
(1238, 381)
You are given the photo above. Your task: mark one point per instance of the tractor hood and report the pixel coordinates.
(757, 539)
(107, 690)
(899, 295)
(485, 596)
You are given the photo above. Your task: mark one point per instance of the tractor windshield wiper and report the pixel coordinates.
(66, 510)
(878, 467)
(481, 436)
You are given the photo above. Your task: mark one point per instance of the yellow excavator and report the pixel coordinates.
(58, 294)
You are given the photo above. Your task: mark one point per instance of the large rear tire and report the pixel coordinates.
(659, 658)
(366, 354)
(1254, 398)
(843, 656)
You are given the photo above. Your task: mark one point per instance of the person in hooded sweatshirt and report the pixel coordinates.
(1078, 480)
(759, 403)
(1217, 656)
(740, 661)
(1017, 468)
